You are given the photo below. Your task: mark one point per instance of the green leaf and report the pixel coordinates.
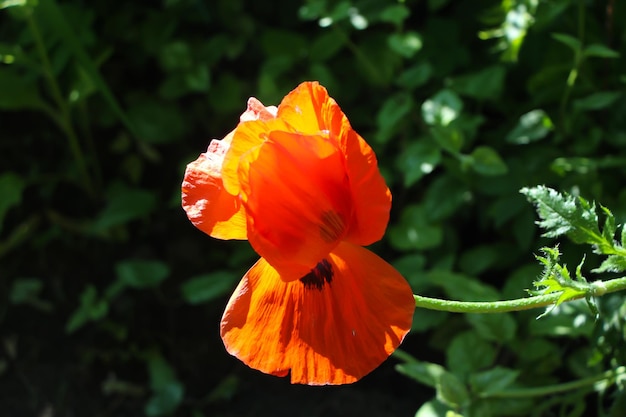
(446, 196)
(563, 214)
(479, 259)
(141, 274)
(405, 44)
(124, 204)
(601, 51)
(325, 46)
(532, 126)
(426, 373)
(568, 40)
(493, 380)
(18, 92)
(11, 189)
(433, 408)
(90, 309)
(417, 160)
(175, 55)
(167, 390)
(393, 110)
(415, 231)
(157, 122)
(597, 101)
(449, 138)
(396, 14)
(51, 12)
(462, 287)
(613, 263)
(208, 287)
(25, 290)
(469, 353)
(486, 161)
(451, 391)
(497, 327)
(415, 76)
(485, 84)
(442, 109)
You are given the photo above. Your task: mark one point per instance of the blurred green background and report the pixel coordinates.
(110, 299)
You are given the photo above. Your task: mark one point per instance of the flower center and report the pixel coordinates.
(320, 275)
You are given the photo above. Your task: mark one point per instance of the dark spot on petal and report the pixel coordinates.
(320, 275)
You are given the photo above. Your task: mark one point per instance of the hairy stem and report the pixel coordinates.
(597, 289)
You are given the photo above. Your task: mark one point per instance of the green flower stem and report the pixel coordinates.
(596, 289)
(558, 388)
(65, 120)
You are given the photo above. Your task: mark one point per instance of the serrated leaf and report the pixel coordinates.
(613, 263)
(609, 228)
(563, 214)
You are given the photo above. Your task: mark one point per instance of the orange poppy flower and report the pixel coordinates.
(304, 188)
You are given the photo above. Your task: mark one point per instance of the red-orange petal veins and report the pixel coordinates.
(207, 204)
(296, 195)
(333, 327)
(309, 109)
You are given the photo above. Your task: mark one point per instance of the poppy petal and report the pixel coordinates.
(248, 135)
(207, 204)
(370, 195)
(257, 111)
(297, 200)
(309, 109)
(352, 314)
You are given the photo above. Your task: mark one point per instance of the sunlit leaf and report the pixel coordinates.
(532, 126)
(441, 109)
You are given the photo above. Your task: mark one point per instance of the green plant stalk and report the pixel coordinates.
(64, 121)
(557, 388)
(597, 289)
